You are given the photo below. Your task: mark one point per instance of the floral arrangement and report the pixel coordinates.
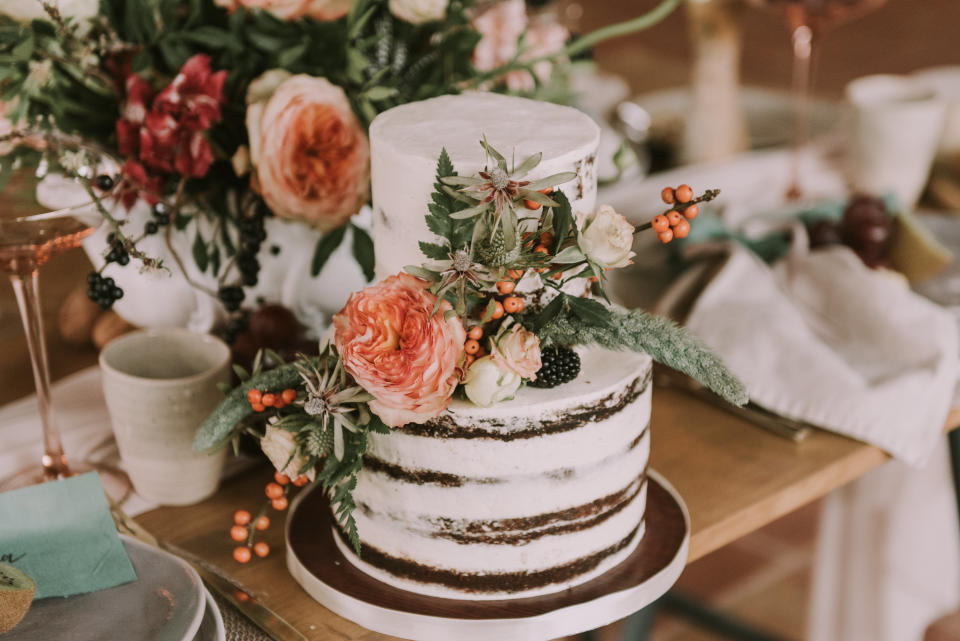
(231, 111)
(500, 302)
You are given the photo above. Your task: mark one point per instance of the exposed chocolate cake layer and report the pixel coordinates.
(486, 583)
(446, 479)
(518, 531)
(446, 426)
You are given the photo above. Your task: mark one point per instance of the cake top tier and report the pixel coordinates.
(512, 125)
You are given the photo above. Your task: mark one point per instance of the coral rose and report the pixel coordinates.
(293, 9)
(517, 351)
(399, 350)
(308, 149)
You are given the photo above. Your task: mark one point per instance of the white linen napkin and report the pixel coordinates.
(821, 338)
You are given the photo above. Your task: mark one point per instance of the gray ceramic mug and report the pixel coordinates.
(160, 384)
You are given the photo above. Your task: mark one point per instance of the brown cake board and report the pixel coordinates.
(321, 569)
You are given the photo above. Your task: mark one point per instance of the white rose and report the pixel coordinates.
(606, 237)
(279, 445)
(487, 384)
(27, 10)
(419, 11)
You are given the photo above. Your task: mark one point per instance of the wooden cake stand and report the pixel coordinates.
(319, 567)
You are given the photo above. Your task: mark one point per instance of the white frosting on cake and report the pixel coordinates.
(405, 143)
(526, 487)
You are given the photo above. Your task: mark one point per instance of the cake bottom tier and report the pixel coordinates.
(451, 582)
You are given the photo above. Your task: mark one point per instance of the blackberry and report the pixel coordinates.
(104, 182)
(231, 297)
(103, 291)
(558, 365)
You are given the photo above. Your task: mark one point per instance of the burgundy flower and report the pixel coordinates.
(137, 184)
(195, 95)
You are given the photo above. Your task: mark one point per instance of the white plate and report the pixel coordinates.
(165, 603)
(211, 628)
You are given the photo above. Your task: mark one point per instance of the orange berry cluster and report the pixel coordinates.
(242, 532)
(675, 223)
(509, 305)
(260, 400)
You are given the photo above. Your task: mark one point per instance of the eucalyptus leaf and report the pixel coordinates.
(325, 247)
(528, 164)
(569, 255)
(551, 181)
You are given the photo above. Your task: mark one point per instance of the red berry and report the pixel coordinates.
(668, 196)
(241, 517)
(301, 480)
(274, 491)
(546, 238)
(289, 396)
(513, 304)
(674, 217)
(279, 504)
(261, 549)
(238, 533)
(531, 204)
(471, 346)
(476, 333)
(263, 523)
(254, 396)
(665, 236)
(281, 478)
(660, 223)
(691, 212)
(268, 399)
(506, 286)
(241, 554)
(497, 310)
(684, 194)
(258, 407)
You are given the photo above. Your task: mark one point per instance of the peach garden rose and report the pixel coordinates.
(309, 152)
(398, 350)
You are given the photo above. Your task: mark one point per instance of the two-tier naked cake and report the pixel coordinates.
(531, 495)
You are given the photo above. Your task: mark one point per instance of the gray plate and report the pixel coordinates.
(165, 603)
(211, 629)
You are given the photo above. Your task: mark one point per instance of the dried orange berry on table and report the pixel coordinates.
(281, 478)
(691, 212)
(241, 554)
(513, 304)
(684, 194)
(668, 196)
(471, 346)
(238, 532)
(681, 229)
(261, 549)
(241, 517)
(506, 286)
(660, 223)
(289, 396)
(279, 504)
(273, 490)
(674, 217)
(665, 236)
(476, 333)
(263, 523)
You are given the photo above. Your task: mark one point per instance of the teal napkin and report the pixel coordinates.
(62, 536)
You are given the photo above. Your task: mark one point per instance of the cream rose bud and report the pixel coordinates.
(518, 351)
(419, 11)
(606, 238)
(280, 446)
(487, 384)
